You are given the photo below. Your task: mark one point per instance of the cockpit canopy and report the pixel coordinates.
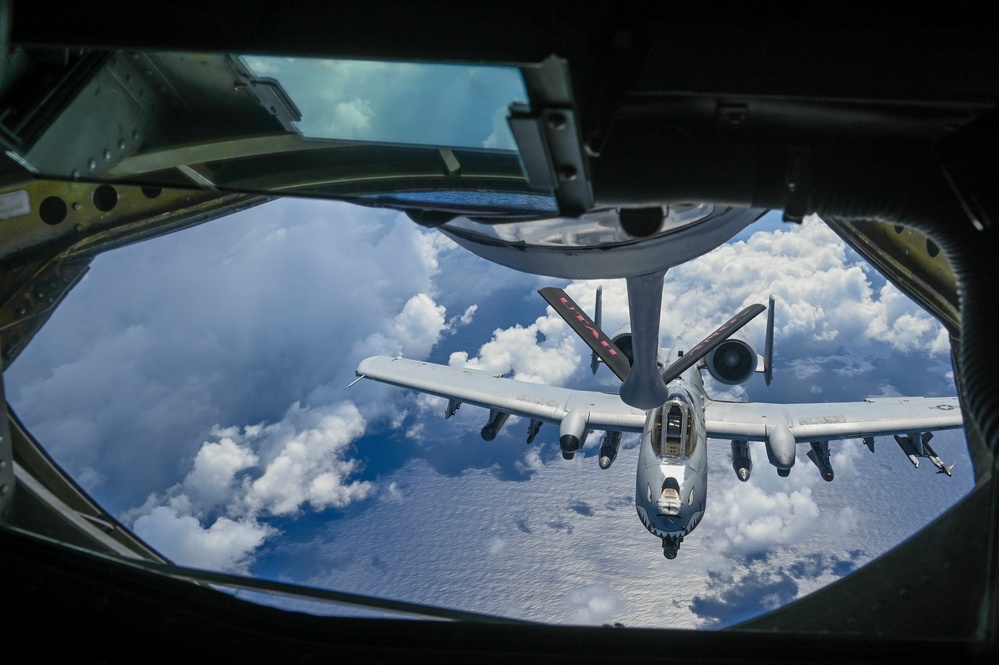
(675, 430)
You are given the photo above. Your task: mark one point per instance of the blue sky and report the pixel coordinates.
(399, 102)
(196, 385)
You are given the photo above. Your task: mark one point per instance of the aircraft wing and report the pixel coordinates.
(480, 388)
(875, 416)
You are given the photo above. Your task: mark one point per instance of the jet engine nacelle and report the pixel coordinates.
(733, 361)
(622, 340)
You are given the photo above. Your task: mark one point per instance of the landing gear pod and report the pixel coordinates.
(780, 449)
(572, 434)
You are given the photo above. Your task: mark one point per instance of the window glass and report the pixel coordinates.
(398, 102)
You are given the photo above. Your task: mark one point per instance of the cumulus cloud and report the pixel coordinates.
(412, 332)
(758, 521)
(230, 322)
(521, 353)
(905, 326)
(225, 545)
(306, 461)
(823, 293)
(249, 475)
(770, 515)
(531, 461)
(464, 319)
(593, 604)
(215, 469)
(496, 546)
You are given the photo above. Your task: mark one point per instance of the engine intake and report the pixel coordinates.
(622, 340)
(733, 361)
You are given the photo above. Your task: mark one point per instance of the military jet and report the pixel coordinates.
(672, 475)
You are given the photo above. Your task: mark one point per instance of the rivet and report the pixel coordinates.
(107, 155)
(77, 206)
(92, 164)
(4, 489)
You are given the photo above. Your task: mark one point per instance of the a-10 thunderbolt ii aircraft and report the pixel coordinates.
(672, 476)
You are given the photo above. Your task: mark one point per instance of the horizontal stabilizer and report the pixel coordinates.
(711, 341)
(597, 317)
(587, 329)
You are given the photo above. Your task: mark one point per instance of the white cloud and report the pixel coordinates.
(531, 461)
(593, 604)
(262, 471)
(501, 137)
(215, 469)
(393, 493)
(822, 291)
(517, 353)
(349, 119)
(418, 327)
(307, 462)
(496, 546)
(226, 545)
(758, 521)
(466, 318)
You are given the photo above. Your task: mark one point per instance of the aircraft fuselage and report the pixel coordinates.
(671, 481)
